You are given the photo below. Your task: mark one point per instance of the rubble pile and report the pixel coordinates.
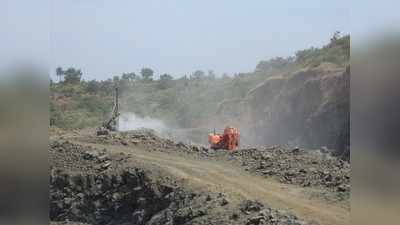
(67, 223)
(150, 140)
(277, 217)
(297, 166)
(292, 166)
(69, 156)
(84, 191)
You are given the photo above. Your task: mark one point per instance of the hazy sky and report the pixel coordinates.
(109, 37)
(106, 38)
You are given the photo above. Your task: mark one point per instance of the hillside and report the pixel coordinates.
(308, 108)
(301, 100)
(291, 113)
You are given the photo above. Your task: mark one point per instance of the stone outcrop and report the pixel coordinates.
(309, 108)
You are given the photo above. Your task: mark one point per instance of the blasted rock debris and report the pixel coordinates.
(146, 138)
(83, 192)
(306, 168)
(298, 166)
(73, 157)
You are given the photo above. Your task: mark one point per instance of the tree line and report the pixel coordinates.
(73, 76)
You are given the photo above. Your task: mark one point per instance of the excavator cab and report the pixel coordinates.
(214, 139)
(229, 140)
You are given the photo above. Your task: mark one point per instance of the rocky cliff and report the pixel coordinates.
(308, 108)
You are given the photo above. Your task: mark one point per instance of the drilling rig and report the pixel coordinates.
(111, 124)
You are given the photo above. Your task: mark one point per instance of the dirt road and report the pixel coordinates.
(238, 185)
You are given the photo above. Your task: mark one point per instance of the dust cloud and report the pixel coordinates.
(130, 121)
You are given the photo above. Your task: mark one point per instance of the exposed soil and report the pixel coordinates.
(139, 178)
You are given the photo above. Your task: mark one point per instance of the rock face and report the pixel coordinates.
(84, 191)
(309, 108)
(105, 198)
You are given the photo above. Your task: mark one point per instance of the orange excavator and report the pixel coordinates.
(229, 140)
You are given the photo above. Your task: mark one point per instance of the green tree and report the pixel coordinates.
(165, 81)
(147, 74)
(198, 75)
(72, 76)
(93, 86)
(166, 77)
(116, 80)
(59, 73)
(275, 64)
(107, 87)
(128, 76)
(335, 37)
